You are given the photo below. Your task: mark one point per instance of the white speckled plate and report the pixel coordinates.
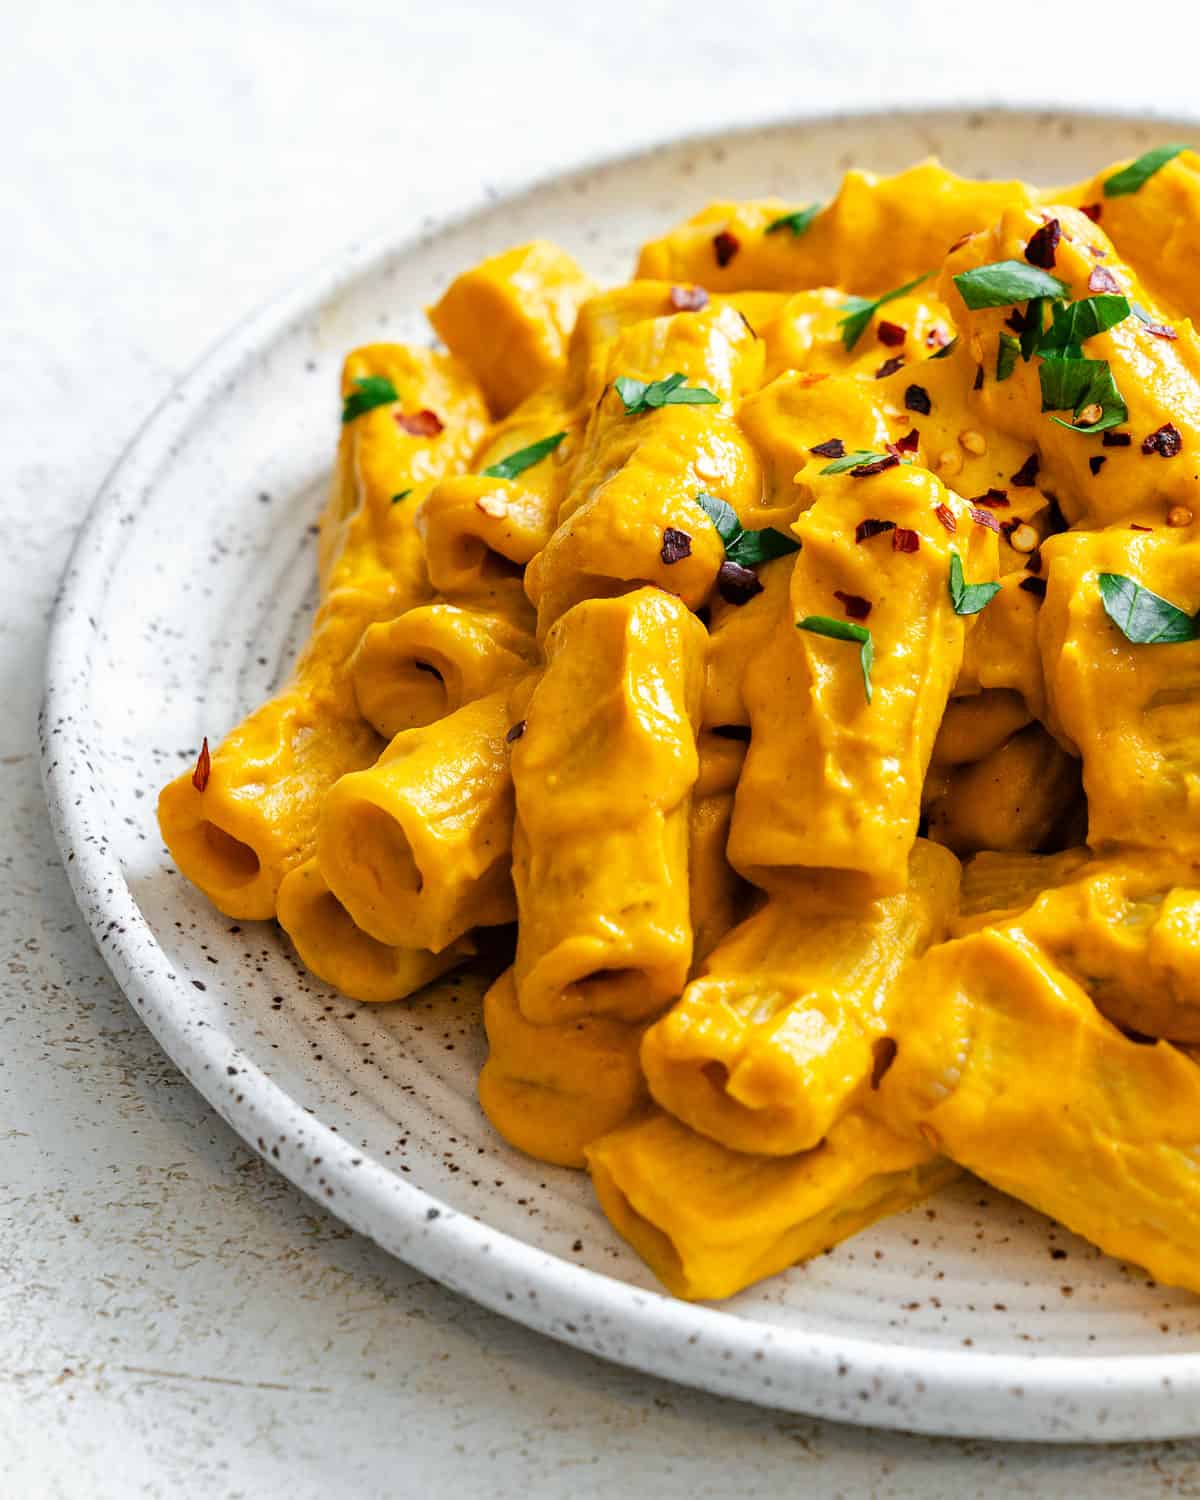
(183, 602)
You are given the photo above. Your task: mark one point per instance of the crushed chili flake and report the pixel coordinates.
(916, 398)
(1042, 245)
(961, 241)
(978, 386)
(1026, 476)
(725, 246)
(1133, 526)
(737, 585)
(688, 298)
(946, 516)
(856, 607)
(1033, 563)
(905, 540)
(830, 448)
(891, 334)
(864, 471)
(995, 499)
(515, 733)
(676, 545)
(1103, 280)
(937, 337)
(889, 367)
(203, 767)
(1161, 331)
(1096, 463)
(870, 527)
(1116, 440)
(1091, 211)
(1034, 586)
(1167, 441)
(909, 443)
(420, 424)
(1016, 320)
(1095, 252)
(984, 518)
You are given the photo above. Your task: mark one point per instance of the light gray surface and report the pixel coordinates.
(176, 1319)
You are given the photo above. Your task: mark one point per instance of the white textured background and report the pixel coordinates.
(175, 1320)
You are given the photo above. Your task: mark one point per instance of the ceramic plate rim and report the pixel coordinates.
(694, 1344)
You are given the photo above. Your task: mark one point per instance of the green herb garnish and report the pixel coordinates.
(839, 630)
(400, 495)
(1132, 177)
(1075, 384)
(373, 391)
(746, 548)
(1142, 617)
(1005, 283)
(797, 222)
(640, 395)
(860, 310)
(1031, 334)
(947, 349)
(524, 458)
(1072, 322)
(1006, 356)
(968, 598)
(853, 460)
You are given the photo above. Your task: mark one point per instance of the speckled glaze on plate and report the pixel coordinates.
(185, 598)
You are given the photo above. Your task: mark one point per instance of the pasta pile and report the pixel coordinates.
(700, 627)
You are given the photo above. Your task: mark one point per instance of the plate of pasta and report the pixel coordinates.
(662, 788)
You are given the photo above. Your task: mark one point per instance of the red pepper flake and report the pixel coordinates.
(937, 337)
(1095, 252)
(868, 528)
(1091, 210)
(916, 398)
(961, 241)
(830, 448)
(725, 246)
(1116, 440)
(891, 334)
(904, 540)
(984, 518)
(1103, 280)
(515, 733)
(946, 516)
(994, 499)
(889, 367)
(856, 607)
(909, 443)
(978, 386)
(1167, 441)
(1096, 463)
(737, 585)
(1161, 331)
(864, 471)
(1034, 586)
(203, 767)
(1026, 476)
(1133, 526)
(688, 298)
(1042, 245)
(676, 545)
(420, 424)
(1016, 320)
(1033, 563)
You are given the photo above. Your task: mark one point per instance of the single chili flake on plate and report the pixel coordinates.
(676, 545)
(1116, 439)
(1091, 211)
(688, 298)
(1133, 526)
(946, 516)
(994, 499)
(870, 527)
(984, 518)
(889, 367)
(1026, 476)
(1017, 321)
(515, 733)
(864, 471)
(1103, 280)
(1034, 586)
(906, 540)
(1096, 463)
(725, 247)
(1043, 244)
(1033, 563)
(916, 398)
(891, 334)
(1167, 441)
(937, 337)
(856, 607)
(830, 448)
(203, 767)
(978, 386)
(909, 443)
(420, 423)
(737, 585)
